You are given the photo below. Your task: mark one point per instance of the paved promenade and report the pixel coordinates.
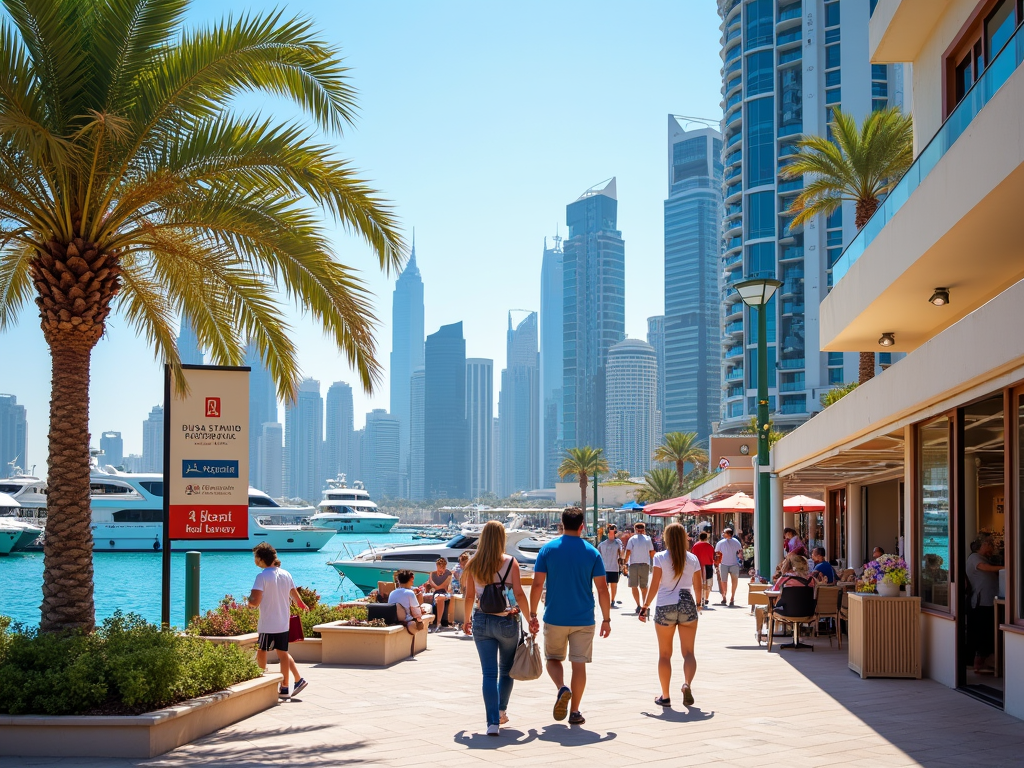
(795, 710)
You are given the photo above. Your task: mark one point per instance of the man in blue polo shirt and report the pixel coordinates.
(822, 566)
(572, 568)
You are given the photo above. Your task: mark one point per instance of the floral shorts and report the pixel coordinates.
(683, 612)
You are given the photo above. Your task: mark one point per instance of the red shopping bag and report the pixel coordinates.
(295, 629)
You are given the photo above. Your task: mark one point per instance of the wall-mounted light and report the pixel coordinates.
(940, 298)
(887, 339)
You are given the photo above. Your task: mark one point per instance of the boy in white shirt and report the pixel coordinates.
(273, 593)
(405, 597)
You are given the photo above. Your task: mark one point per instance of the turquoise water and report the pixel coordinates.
(131, 580)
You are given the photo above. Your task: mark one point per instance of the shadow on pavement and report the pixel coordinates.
(508, 737)
(572, 735)
(683, 715)
(238, 750)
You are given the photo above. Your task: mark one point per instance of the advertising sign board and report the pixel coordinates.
(207, 481)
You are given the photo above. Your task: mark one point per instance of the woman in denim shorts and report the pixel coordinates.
(677, 578)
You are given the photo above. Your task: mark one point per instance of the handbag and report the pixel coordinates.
(387, 611)
(528, 664)
(295, 633)
(493, 599)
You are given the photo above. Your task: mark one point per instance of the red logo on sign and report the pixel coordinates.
(209, 521)
(213, 407)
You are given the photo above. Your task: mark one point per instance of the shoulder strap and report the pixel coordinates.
(507, 572)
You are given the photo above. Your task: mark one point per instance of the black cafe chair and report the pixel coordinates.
(795, 606)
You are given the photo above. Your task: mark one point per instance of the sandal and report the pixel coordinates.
(687, 695)
(663, 701)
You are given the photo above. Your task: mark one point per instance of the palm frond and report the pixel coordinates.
(15, 280)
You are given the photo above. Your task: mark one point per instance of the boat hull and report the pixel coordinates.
(366, 575)
(7, 541)
(146, 537)
(358, 526)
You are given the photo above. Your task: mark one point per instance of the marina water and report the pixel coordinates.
(130, 581)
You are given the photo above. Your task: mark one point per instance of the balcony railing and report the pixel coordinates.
(734, 352)
(733, 242)
(735, 99)
(791, 185)
(736, 374)
(789, 37)
(733, 327)
(792, 12)
(998, 72)
(734, 138)
(732, 189)
(794, 55)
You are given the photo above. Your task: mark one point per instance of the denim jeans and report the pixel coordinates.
(497, 638)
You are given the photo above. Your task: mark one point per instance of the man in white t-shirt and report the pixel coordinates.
(410, 612)
(639, 553)
(729, 569)
(273, 593)
(611, 553)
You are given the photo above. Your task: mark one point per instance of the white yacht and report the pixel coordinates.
(127, 516)
(29, 492)
(350, 510)
(15, 534)
(379, 563)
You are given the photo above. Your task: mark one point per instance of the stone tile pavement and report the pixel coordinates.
(753, 709)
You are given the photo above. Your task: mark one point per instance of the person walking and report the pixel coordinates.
(639, 551)
(273, 592)
(495, 631)
(729, 569)
(571, 568)
(676, 573)
(705, 554)
(611, 553)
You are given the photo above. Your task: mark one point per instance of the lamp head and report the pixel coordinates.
(887, 339)
(757, 292)
(940, 297)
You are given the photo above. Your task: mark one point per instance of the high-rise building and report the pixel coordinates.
(416, 445)
(786, 66)
(479, 420)
(113, 449)
(594, 310)
(551, 359)
(262, 410)
(519, 409)
(355, 455)
(656, 338)
(153, 441)
(338, 432)
(13, 435)
(499, 480)
(691, 363)
(303, 443)
(188, 345)
(269, 475)
(406, 350)
(380, 454)
(446, 442)
(631, 402)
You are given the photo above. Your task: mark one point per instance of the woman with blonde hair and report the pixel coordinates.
(677, 578)
(493, 623)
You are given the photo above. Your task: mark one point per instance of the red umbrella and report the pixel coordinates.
(802, 504)
(738, 502)
(687, 508)
(668, 505)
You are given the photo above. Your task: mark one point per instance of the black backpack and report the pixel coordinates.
(494, 599)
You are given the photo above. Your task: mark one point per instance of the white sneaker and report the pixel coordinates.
(492, 730)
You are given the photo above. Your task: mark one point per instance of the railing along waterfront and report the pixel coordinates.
(998, 72)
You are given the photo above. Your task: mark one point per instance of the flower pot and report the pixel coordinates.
(886, 588)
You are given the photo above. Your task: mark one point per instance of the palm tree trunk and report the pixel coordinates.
(865, 209)
(679, 472)
(866, 369)
(583, 493)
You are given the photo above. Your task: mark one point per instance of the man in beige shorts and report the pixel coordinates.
(571, 567)
(639, 552)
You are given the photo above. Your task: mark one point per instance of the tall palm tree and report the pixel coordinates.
(861, 165)
(584, 463)
(680, 448)
(659, 484)
(130, 183)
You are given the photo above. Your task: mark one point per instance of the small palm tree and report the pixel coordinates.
(584, 463)
(130, 183)
(659, 484)
(681, 448)
(862, 165)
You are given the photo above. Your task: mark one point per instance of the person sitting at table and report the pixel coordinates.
(439, 583)
(798, 575)
(877, 552)
(822, 570)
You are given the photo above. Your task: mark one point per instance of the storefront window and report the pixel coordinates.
(934, 519)
(1020, 506)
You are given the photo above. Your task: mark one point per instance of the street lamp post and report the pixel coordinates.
(595, 510)
(756, 294)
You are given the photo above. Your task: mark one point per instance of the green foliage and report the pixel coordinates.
(309, 596)
(622, 475)
(680, 449)
(660, 484)
(774, 435)
(5, 636)
(325, 613)
(126, 666)
(583, 462)
(837, 393)
(232, 618)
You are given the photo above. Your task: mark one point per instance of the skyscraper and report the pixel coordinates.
(416, 445)
(784, 70)
(13, 435)
(479, 419)
(262, 410)
(269, 475)
(594, 311)
(355, 455)
(551, 359)
(656, 338)
(153, 441)
(339, 429)
(113, 449)
(446, 442)
(188, 345)
(303, 443)
(693, 214)
(632, 404)
(406, 349)
(380, 451)
(519, 409)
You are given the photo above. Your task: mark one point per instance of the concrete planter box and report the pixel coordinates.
(308, 651)
(369, 646)
(242, 641)
(137, 736)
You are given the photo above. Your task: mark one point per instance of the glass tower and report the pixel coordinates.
(153, 441)
(406, 350)
(112, 446)
(519, 409)
(416, 425)
(262, 410)
(693, 215)
(380, 454)
(632, 406)
(593, 310)
(188, 345)
(14, 435)
(479, 419)
(338, 430)
(656, 338)
(303, 443)
(445, 438)
(551, 359)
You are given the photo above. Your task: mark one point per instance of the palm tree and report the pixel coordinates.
(584, 463)
(680, 448)
(129, 183)
(861, 165)
(659, 484)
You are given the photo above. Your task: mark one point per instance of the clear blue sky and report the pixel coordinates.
(481, 121)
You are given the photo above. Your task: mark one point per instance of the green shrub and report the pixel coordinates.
(229, 618)
(325, 613)
(837, 393)
(127, 666)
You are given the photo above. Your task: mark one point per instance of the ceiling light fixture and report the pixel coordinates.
(887, 340)
(940, 298)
